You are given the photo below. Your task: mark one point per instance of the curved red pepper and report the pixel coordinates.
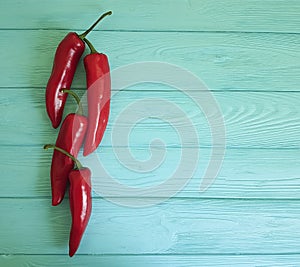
(80, 199)
(98, 95)
(65, 62)
(70, 138)
(80, 205)
(66, 59)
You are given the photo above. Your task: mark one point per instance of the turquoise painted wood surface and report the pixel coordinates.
(179, 226)
(224, 61)
(156, 15)
(246, 115)
(248, 54)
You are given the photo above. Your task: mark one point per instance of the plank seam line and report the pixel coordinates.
(156, 254)
(152, 31)
(163, 147)
(167, 90)
(233, 199)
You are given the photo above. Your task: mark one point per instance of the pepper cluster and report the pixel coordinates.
(76, 128)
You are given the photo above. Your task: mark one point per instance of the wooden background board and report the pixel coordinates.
(247, 52)
(156, 15)
(245, 173)
(224, 61)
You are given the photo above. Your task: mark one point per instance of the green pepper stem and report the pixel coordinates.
(83, 35)
(76, 97)
(76, 161)
(92, 48)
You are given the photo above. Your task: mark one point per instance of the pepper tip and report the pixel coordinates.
(72, 252)
(56, 202)
(55, 124)
(86, 152)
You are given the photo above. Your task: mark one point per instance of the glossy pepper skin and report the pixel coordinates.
(80, 205)
(65, 62)
(70, 138)
(98, 96)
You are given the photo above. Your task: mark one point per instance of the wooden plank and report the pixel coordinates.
(156, 15)
(252, 120)
(245, 173)
(149, 261)
(224, 61)
(187, 226)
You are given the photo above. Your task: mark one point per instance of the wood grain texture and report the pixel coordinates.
(245, 173)
(246, 51)
(224, 61)
(149, 261)
(156, 15)
(188, 226)
(252, 120)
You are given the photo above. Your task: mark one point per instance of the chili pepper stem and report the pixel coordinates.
(76, 97)
(83, 35)
(76, 161)
(91, 47)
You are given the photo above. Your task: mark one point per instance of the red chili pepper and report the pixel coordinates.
(80, 204)
(80, 200)
(98, 95)
(65, 62)
(70, 138)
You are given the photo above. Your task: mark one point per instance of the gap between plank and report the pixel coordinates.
(167, 90)
(156, 254)
(250, 199)
(148, 31)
